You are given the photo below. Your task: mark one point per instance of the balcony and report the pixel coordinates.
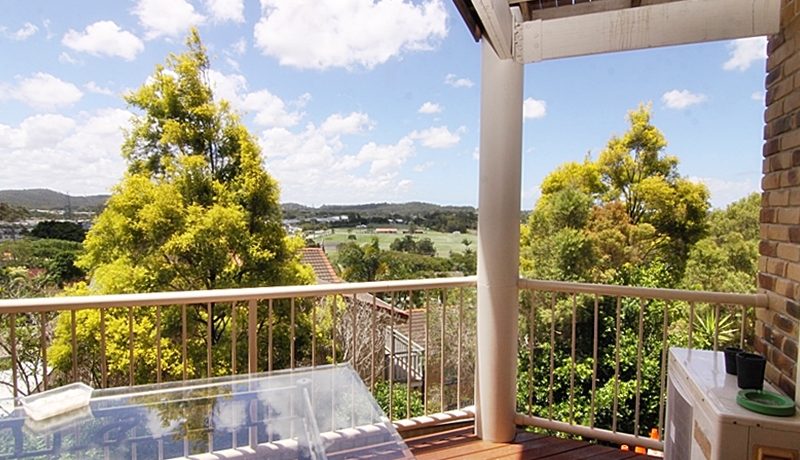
(592, 362)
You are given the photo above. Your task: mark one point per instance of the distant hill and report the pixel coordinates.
(48, 199)
(375, 209)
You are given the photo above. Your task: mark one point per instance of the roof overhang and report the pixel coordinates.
(530, 31)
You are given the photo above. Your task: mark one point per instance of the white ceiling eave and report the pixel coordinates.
(673, 23)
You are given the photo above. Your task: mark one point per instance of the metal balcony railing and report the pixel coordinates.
(606, 346)
(592, 357)
(120, 340)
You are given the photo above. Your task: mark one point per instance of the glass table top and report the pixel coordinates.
(324, 412)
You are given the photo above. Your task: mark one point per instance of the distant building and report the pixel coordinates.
(386, 230)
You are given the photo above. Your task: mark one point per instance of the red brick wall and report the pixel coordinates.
(777, 327)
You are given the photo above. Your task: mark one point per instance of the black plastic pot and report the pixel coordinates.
(730, 359)
(750, 371)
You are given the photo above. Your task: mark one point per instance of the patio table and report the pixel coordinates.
(320, 413)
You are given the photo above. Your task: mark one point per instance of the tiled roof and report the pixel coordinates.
(323, 270)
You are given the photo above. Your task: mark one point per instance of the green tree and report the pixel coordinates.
(627, 218)
(195, 210)
(727, 259)
(9, 213)
(59, 230)
(628, 208)
(360, 262)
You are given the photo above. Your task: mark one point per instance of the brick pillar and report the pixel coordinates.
(777, 327)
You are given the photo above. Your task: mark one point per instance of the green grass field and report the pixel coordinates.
(443, 242)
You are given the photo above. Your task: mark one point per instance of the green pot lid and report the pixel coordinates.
(766, 402)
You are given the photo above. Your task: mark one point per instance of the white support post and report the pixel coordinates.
(498, 244)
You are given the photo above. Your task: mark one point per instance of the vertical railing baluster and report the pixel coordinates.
(743, 328)
(184, 344)
(639, 368)
(691, 325)
(293, 332)
(131, 356)
(103, 357)
(441, 355)
(573, 356)
(354, 327)
(43, 345)
(426, 372)
(269, 336)
(333, 328)
(314, 305)
(14, 360)
(595, 340)
(616, 365)
(552, 354)
(408, 356)
(158, 343)
(209, 314)
(458, 354)
(74, 339)
(252, 339)
(662, 392)
(391, 357)
(532, 329)
(373, 328)
(234, 333)
(716, 326)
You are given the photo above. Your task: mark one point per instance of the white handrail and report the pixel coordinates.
(226, 295)
(754, 300)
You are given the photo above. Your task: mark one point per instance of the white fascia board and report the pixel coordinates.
(675, 23)
(498, 23)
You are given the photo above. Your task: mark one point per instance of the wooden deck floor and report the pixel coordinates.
(463, 444)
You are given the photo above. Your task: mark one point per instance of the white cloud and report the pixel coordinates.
(42, 91)
(65, 58)
(226, 10)
(422, 167)
(456, 82)
(353, 123)
(429, 108)
(104, 38)
(725, 191)
(239, 46)
(312, 163)
(268, 110)
(744, 52)
(80, 155)
(93, 87)
(355, 33)
(439, 137)
(384, 159)
(681, 99)
(759, 96)
(23, 33)
(169, 18)
(48, 33)
(533, 108)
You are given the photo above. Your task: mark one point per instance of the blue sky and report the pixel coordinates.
(356, 101)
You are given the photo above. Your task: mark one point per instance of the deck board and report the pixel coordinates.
(462, 443)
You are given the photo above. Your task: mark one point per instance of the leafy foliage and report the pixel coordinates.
(370, 263)
(9, 213)
(195, 210)
(627, 218)
(59, 230)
